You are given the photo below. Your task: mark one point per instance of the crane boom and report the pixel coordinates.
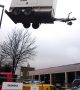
(2, 6)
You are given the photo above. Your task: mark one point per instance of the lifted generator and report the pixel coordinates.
(32, 12)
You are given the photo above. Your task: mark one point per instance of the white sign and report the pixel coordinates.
(12, 86)
(34, 88)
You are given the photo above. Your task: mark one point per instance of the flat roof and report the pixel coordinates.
(58, 69)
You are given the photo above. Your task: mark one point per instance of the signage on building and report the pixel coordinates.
(12, 86)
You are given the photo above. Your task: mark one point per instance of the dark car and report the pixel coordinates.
(76, 82)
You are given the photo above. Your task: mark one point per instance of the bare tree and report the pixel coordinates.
(19, 47)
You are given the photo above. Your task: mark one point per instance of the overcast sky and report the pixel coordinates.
(58, 44)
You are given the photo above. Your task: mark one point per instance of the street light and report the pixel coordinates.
(2, 10)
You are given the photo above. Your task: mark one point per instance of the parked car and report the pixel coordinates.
(27, 81)
(36, 82)
(32, 82)
(76, 82)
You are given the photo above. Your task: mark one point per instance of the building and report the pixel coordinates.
(25, 71)
(64, 75)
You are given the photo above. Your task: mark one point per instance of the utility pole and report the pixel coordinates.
(2, 10)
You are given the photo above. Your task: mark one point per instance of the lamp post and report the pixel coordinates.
(1, 6)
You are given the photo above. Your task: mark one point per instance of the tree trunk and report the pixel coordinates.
(13, 65)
